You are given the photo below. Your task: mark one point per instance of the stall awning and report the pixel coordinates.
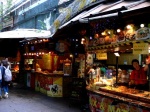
(89, 12)
(108, 11)
(73, 20)
(127, 4)
(102, 10)
(106, 7)
(72, 10)
(103, 16)
(25, 33)
(138, 6)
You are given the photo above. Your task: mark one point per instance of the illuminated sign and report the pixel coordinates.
(140, 48)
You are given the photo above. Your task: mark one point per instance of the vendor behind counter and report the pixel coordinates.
(138, 77)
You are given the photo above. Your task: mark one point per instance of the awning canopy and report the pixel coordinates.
(25, 33)
(81, 17)
(72, 10)
(108, 9)
(113, 9)
(101, 10)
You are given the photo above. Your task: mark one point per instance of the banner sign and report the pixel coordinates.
(101, 56)
(140, 48)
(103, 104)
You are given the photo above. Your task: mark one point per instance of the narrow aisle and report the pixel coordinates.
(25, 100)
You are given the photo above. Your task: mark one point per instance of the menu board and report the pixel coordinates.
(78, 85)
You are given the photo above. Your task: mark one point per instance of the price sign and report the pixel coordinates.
(140, 48)
(101, 56)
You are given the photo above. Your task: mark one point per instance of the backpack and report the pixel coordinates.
(7, 74)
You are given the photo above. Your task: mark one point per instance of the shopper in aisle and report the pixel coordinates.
(5, 84)
(138, 77)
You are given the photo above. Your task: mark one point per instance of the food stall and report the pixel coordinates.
(47, 70)
(106, 94)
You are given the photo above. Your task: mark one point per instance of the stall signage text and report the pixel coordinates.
(101, 56)
(140, 48)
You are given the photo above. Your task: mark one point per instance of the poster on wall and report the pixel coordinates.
(89, 59)
(55, 87)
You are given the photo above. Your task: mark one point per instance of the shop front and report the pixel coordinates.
(113, 46)
(47, 70)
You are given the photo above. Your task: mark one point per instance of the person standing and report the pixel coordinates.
(5, 83)
(138, 77)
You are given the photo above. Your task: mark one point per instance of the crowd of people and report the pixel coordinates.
(3, 83)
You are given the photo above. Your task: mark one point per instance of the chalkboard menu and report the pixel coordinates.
(78, 89)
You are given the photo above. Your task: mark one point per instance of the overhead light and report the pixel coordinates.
(142, 25)
(129, 27)
(116, 54)
(118, 30)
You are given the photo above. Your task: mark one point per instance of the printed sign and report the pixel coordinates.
(101, 56)
(54, 89)
(140, 48)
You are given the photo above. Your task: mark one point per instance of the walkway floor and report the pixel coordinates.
(25, 100)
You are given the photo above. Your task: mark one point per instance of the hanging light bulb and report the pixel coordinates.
(129, 27)
(118, 30)
(103, 33)
(83, 39)
(142, 25)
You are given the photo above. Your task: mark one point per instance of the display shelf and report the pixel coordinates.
(128, 95)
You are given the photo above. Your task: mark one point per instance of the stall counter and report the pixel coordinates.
(103, 100)
(53, 85)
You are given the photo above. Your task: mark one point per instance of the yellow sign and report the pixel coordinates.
(47, 60)
(140, 48)
(101, 56)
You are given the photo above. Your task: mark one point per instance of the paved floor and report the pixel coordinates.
(25, 100)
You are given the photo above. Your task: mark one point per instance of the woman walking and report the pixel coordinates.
(5, 83)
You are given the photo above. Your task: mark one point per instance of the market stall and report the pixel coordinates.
(47, 70)
(116, 48)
